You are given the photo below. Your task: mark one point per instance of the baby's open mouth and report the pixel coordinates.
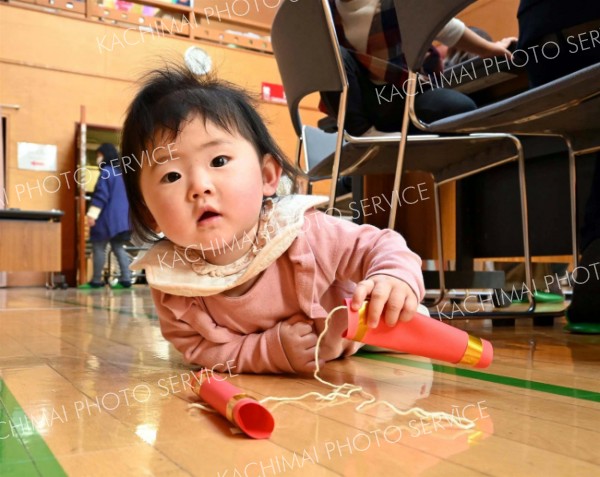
(208, 215)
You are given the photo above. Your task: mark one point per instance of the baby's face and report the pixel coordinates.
(209, 197)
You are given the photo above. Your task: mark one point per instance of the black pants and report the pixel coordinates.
(569, 58)
(381, 106)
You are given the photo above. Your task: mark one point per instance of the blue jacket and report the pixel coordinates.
(110, 196)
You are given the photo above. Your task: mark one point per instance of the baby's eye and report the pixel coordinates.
(171, 177)
(219, 161)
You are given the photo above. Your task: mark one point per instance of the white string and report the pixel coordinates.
(346, 391)
(201, 406)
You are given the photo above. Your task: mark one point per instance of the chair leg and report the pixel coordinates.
(440, 244)
(525, 223)
(299, 153)
(335, 173)
(299, 186)
(573, 199)
(410, 97)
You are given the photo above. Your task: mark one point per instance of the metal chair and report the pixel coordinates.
(312, 62)
(568, 107)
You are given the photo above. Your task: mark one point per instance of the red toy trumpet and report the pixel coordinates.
(422, 336)
(242, 410)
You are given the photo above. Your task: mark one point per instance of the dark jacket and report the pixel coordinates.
(538, 18)
(109, 195)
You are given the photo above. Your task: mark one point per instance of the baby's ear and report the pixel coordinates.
(271, 173)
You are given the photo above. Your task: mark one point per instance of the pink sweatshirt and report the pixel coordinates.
(319, 270)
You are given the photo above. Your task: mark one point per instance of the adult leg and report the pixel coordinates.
(118, 247)
(439, 103)
(430, 106)
(357, 119)
(99, 259)
(582, 314)
(590, 229)
(553, 63)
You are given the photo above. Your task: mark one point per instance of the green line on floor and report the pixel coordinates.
(23, 452)
(492, 378)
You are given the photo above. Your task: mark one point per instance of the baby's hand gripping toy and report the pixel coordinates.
(422, 336)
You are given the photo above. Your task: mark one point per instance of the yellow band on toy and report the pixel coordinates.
(232, 402)
(473, 352)
(361, 327)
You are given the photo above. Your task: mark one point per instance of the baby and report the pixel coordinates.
(236, 272)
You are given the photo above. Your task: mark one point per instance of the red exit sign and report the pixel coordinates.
(273, 93)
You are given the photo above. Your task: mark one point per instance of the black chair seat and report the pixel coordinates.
(568, 105)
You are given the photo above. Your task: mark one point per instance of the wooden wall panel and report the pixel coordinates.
(260, 12)
(497, 17)
(51, 65)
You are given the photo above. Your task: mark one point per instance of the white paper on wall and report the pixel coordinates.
(36, 157)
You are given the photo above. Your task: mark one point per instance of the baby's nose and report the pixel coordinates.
(200, 185)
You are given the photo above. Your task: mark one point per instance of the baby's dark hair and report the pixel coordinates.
(170, 97)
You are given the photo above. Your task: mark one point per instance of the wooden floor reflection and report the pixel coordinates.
(89, 387)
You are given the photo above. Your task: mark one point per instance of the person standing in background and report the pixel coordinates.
(108, 218)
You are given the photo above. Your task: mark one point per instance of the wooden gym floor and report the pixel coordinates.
(88, 387)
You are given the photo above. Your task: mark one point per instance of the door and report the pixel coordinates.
(89, 138)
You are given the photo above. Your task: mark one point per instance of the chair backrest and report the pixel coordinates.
(306, 51)
(318, 145)
(420, 21)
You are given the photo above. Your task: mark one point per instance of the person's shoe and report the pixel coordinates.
(90, 286)
(121, 285)
(583, 314)
(541, 297)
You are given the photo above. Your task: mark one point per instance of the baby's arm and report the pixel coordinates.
(201, 341)
(385, 269)
(392, 278)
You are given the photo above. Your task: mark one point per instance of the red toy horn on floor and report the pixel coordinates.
(421, 336)
(239, 408)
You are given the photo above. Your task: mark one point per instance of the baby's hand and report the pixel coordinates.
(387, 293)
(299, 339)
